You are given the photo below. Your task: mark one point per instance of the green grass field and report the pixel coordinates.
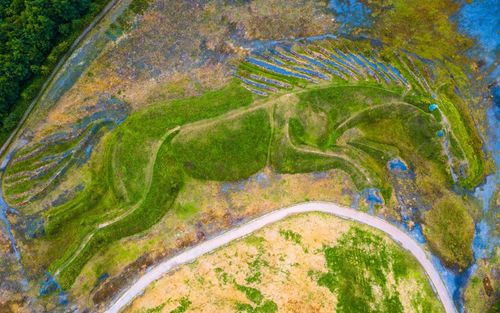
(359, 262)
(231, 134)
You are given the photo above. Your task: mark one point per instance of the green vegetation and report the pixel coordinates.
(134, 205)
(142, 165)
(184, 304)
(231, 149)
(450, 229)
(36, 169)
(228, 134)
(255, 267)
(34, 35)
(359, 264)
(156, 309)
(292, 236)
(261, 305)
(185, 211)
(124, 21)
(358, 121)
(363, 268)
(426, 22)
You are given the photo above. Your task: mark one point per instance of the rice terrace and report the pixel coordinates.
(249, 156)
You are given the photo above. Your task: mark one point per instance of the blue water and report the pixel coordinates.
(350, 14)
(310, 72)
(5, 225)
(313, 61)
(7, 228)
(455, 282)
(345, 62)
(480, 19)
(376, 68)
(397, 165)
(372, 197)
(264, 45)
(281, 55)
(340, 68)
(50, 285)
(345, 67)
(272, 59)
(362, 64)
(102, 277)
(320, 37)
(484, 241)
(416, 232)
(256, 91)
(346, 57)
(276, 69)
(398, 73)
(4, 207)
(270, 81)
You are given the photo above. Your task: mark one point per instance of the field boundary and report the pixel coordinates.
(240, 231)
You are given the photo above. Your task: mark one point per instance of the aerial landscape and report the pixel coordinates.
(249, 156)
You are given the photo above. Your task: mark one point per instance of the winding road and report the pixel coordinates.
(193, 253)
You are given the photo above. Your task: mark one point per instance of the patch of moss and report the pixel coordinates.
(358, 268)
(450, 230)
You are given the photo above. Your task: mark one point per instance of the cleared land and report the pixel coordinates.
(314, 267)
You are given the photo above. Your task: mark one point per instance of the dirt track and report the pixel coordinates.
(190, 255)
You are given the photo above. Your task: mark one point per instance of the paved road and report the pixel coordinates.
(192, 254)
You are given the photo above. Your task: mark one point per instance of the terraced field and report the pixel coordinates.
(293, 109)
(38, 167)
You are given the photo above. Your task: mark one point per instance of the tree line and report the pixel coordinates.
(34, 34)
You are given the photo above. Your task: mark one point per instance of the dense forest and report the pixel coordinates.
(34, 35)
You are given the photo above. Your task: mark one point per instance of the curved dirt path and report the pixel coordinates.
(190, 255)
(331, 154)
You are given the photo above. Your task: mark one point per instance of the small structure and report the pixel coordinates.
(433, 107)
(440, 133)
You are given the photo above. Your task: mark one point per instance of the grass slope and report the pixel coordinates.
(230, 134)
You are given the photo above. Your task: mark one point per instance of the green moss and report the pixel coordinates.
(450, 230)
(261, 305)
(186, 211)
(184, 304)
(361, 262)
(167, 181)
(252, 294)
(255, 269)
(156, 309)
(290, 235)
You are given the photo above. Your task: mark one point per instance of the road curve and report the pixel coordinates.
(193, 253)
